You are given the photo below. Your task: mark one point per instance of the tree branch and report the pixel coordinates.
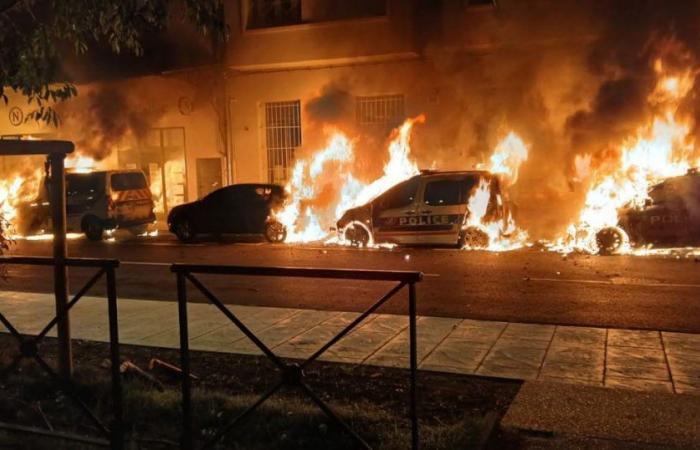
(6, 5)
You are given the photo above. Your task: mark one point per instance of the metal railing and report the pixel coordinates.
(29, 348)
(292, 374)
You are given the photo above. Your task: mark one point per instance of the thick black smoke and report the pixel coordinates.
(333, 105)
(636, 35)
(104, 118)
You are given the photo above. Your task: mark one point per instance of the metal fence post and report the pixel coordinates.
(414, 364)
(117, 438)
(187, 441)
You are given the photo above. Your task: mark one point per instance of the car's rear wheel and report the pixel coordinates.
(275, 232)
(474, 238)
(184, 230)
(356, 235)
(93, 229)
(610, 240)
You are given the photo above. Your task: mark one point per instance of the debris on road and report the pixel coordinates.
(164, 368)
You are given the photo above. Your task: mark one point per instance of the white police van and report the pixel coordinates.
(96, 202)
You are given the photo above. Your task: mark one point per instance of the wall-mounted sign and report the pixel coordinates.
(184, 104)
(16, 116)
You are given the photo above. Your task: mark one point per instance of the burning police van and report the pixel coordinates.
(432, 208)
(96, 202)
(669, 217)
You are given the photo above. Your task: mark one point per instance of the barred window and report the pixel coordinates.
(380, 109)
(282, 138)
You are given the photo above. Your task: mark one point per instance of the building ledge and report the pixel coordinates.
(383, 19)
(324, 62)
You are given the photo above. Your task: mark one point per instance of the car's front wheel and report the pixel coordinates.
(473, 238)
(184, 230)
(275, 232)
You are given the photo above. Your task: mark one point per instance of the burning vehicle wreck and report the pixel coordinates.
(669, 216)
(235, 209)
(432, 208)
(96, 202)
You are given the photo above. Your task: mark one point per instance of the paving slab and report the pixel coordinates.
(684, 364)
(358, 346)
(638, 384)
(681, 342)
(529, 331)
(634, 338)
(567, 360)
(579, 336)
(222, 339)
(305, 344)
(514, 358)
(633, 362)
(433, 330)
(621, 415)
(482, 335)
(385, 323)
(685, 385)
(282, 331)
(456, 355)
(148, 323)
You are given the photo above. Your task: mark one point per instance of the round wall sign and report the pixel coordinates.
(16, 116)
(184, 104)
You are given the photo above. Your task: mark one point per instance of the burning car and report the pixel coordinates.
(670, 216)
(235, 209)
(432, 208)
(95, 202)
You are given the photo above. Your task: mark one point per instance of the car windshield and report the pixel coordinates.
(128, 181)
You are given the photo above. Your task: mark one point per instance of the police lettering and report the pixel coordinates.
(424, 220)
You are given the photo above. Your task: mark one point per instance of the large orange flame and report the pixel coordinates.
(659, 150)
(502, 233)
(308, 214)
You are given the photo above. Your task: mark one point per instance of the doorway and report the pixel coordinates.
(208, 176)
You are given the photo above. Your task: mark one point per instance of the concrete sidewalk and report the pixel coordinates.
(641, 360)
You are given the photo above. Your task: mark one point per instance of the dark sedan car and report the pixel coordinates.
(235, 209)
(669, 217)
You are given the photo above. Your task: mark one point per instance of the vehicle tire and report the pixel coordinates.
(184, 230)
(473, 238)
(610, 240)
(275, 232)
(357, 236)
(138, 230)
(93, 229)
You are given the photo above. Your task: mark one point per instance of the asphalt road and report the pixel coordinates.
(526, 285)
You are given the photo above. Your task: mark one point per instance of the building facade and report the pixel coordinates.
(294, 67)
